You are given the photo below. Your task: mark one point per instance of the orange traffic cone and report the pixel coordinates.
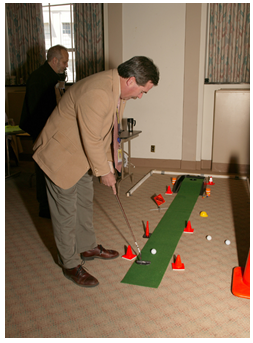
(178, 265)
(174, 179)
(129, 255)
(168, 190)
(241, 280)
(147, 234)
(188, 228)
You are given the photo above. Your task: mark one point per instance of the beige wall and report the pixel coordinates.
(114, 47)
(191, 82)
(231, 139)
(208, 117)
(157, 31)
(176, 116)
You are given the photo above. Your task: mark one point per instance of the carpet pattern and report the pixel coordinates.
(196, 303)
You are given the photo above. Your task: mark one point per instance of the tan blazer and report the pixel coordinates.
(78, 134)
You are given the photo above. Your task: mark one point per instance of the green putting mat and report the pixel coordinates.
(165, 237)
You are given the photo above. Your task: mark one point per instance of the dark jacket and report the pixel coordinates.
(40, 100)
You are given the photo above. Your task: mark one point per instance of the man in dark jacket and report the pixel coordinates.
(39, 103)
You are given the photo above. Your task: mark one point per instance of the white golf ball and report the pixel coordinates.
(153, 251)
(209, 237)
(227, 242)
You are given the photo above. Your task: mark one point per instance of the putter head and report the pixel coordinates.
(145, 263)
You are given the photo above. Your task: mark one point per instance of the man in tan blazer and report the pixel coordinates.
(76, 143)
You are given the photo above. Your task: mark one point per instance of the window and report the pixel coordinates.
(66, 29)
(59, 29)
(66, 33)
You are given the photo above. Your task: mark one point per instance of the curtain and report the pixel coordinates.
(26, 38)
(229, 43)
(89, 39)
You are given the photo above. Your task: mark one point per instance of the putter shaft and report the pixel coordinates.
(124, 214)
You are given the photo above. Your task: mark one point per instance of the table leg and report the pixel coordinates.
(129, 160)
(8, 157)
(122, 169)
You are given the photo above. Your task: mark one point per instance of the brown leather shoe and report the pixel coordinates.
(99, 252)
(80, 277)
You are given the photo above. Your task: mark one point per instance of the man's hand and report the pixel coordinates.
(110, 181)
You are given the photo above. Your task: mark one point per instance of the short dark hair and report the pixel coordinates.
(55, 51)
(142, 68)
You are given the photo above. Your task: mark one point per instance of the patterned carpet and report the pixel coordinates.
(196, 303)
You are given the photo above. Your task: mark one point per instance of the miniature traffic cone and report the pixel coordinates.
(168, 190)
(174, 179)
(188, 228)
(241, 280)
(147, 234)
(129, 255)
(178, 265)
(208, 192)
(211, 181)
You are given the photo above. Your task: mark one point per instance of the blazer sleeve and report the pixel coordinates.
(94, 113)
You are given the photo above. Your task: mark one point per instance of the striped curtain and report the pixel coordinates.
(229, 43)
(89, 39)
(26, 38)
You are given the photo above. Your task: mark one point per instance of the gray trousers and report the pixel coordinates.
(72, 219)
(41, 192)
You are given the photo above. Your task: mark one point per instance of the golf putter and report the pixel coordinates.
(140, 261)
